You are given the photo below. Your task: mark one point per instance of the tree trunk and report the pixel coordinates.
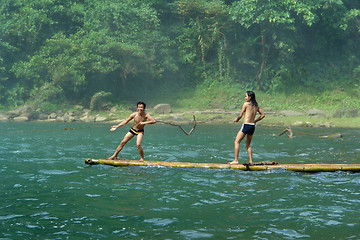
(263, 62)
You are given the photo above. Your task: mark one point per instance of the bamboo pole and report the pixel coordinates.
(290, 167)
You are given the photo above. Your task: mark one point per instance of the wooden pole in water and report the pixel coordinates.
(290, 167)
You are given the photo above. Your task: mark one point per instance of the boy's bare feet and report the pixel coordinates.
(233, 162)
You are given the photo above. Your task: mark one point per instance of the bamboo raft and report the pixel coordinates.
(246, 167)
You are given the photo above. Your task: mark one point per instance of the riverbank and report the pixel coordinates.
(273, 118)
(308, 118)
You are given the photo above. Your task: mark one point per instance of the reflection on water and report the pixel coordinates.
(47, 192)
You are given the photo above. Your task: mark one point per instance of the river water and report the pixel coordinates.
(47, 192)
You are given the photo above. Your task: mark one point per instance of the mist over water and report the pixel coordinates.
(47, 192)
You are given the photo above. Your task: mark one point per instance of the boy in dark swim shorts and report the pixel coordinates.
(141, 118)
(136, 132)
(250, 108)
(248, 128)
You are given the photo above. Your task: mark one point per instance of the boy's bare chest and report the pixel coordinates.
(139, 118)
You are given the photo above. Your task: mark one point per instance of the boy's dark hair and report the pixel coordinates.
(251, 94)
(141, 102)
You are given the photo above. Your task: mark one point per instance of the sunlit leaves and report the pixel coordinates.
(351, 18)
(249, 12)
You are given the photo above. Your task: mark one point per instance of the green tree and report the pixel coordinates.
(118, 42)
(282, 30)
(71, 50)
(202, 38)
(24, 27)
(272, 25)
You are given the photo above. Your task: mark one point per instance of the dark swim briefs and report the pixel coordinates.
(248, 128)
(136, 132)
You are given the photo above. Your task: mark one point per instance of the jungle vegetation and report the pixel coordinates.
(191, 52)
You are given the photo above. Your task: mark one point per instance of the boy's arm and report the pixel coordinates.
(150, 119)
(262, 115)
(114, 127)
(241, 113)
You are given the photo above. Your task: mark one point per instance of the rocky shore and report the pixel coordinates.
(164, 112)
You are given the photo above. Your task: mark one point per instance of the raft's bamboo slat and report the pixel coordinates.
(291, 167)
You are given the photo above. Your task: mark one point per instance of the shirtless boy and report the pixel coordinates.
(249, 108)
(141, 118)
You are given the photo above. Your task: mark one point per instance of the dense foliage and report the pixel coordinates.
(68, 51)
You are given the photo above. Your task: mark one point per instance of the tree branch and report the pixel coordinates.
(178, 125)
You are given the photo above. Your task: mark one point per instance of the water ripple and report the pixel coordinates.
(48, 194)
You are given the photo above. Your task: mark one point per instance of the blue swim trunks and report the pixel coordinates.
(248, 128)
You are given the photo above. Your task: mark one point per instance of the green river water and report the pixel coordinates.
(48, 192)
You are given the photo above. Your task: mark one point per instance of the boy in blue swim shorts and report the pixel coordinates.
(248, 128)
(250, 108)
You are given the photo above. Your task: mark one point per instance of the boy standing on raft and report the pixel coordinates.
(141, 118)
(249, 108)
